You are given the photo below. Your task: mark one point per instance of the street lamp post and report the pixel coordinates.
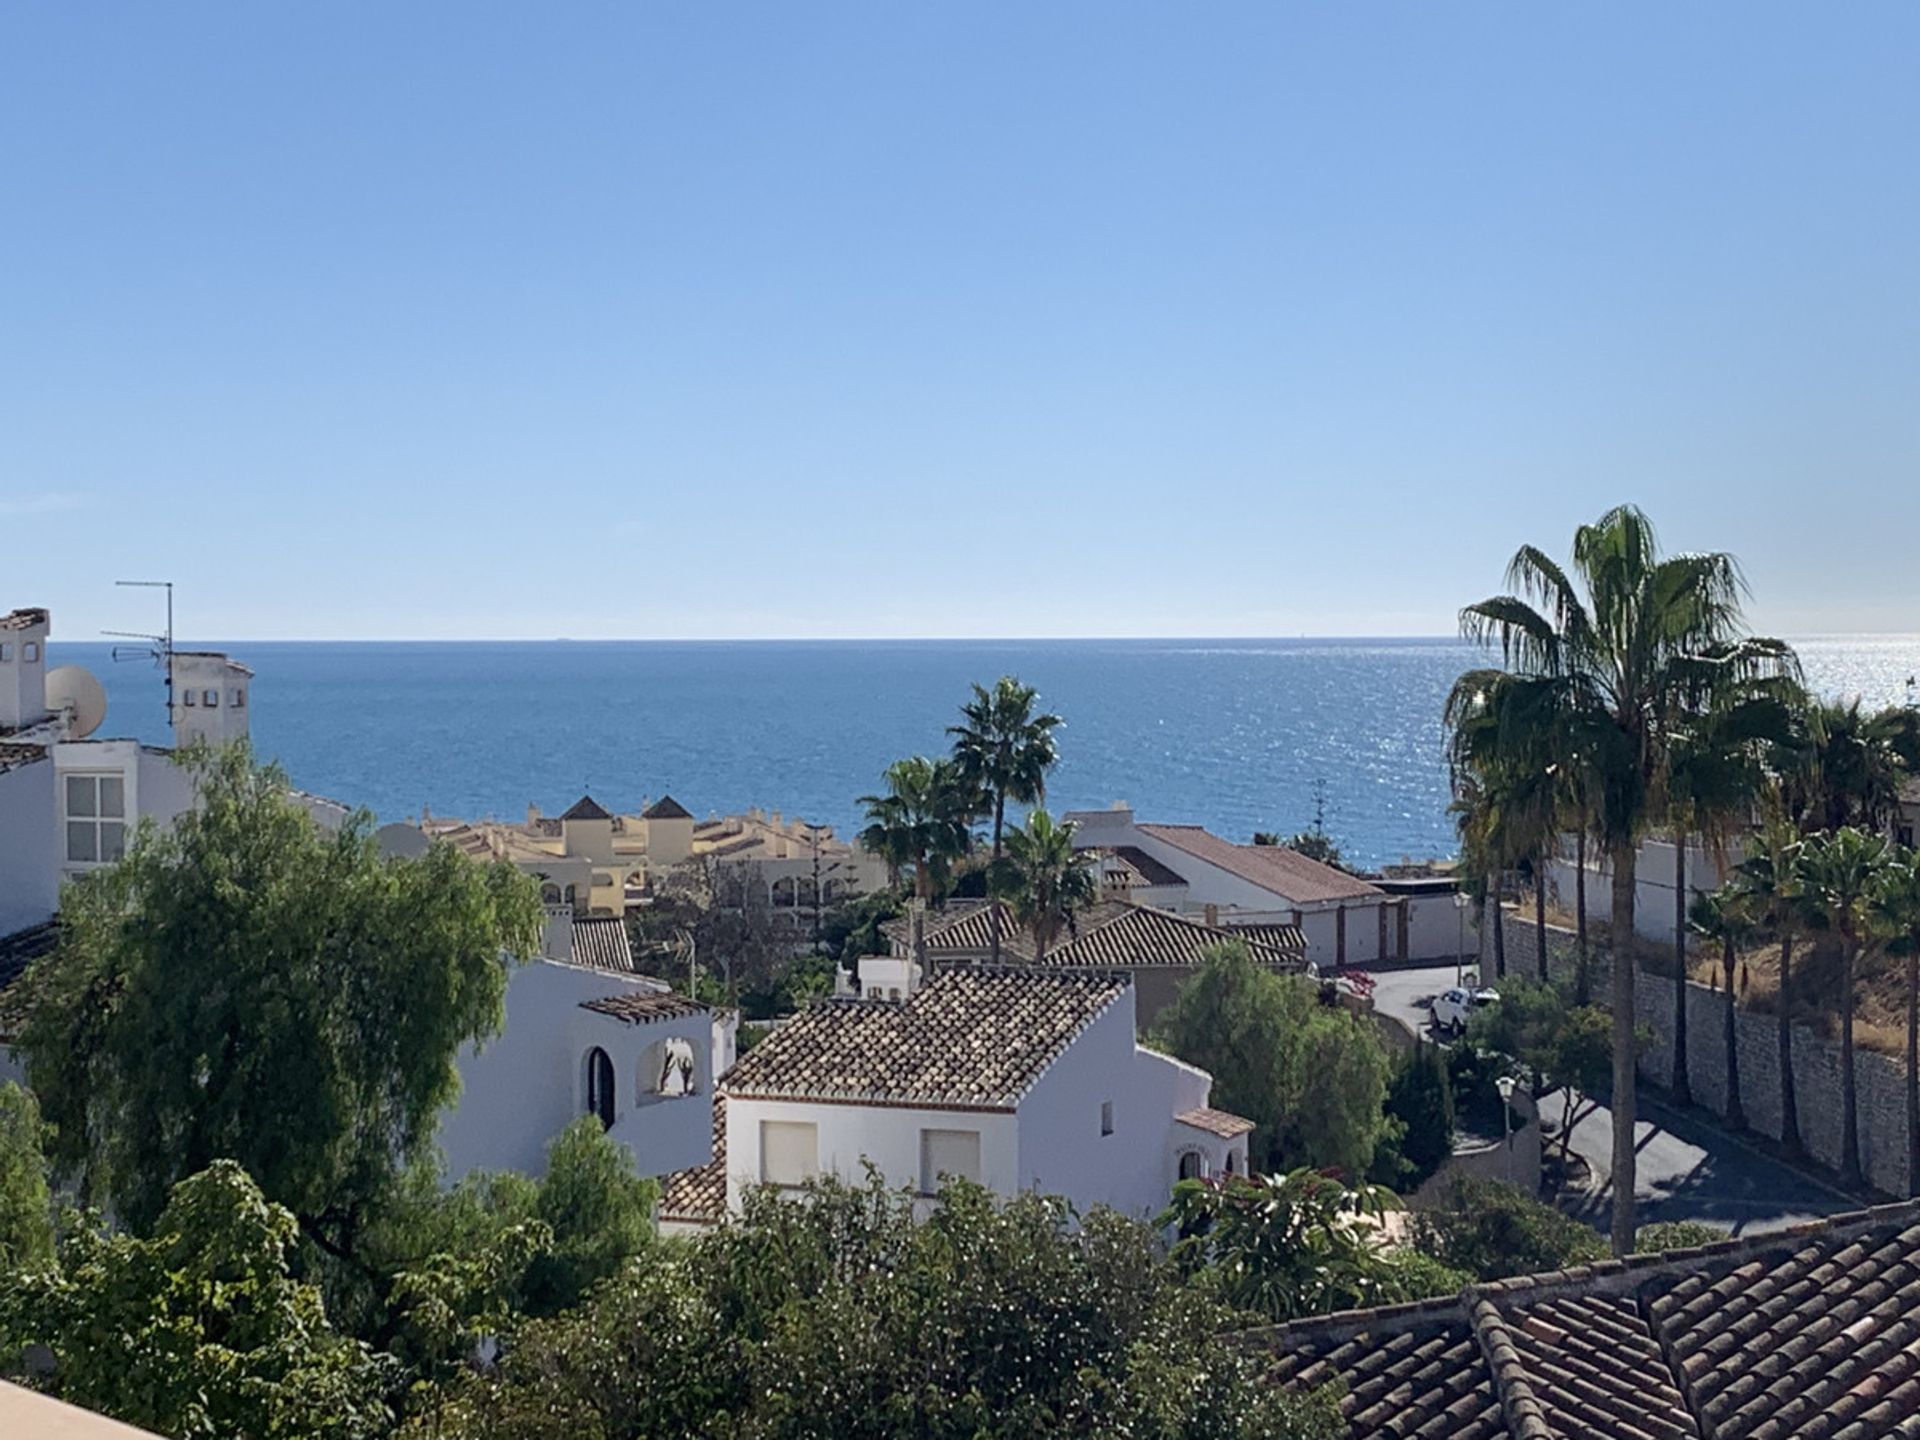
(1460, 903)
(1505, 1086)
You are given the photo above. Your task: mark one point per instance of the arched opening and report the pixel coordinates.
(568, 899)
(549, 894)
(809, 896)
(1191, 1165)
(600, 1098)
(667, 1069)
(830, 892)
(1230, 1166)
(783, 892)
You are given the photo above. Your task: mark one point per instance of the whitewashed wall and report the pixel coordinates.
(29, 858)
(529, 1083)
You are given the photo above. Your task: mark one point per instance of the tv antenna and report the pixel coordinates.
(159, 648)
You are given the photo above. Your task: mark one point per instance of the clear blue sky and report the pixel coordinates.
(941, 319)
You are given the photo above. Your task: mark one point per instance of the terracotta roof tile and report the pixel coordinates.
(643, 1007)
(1215, 1122)
(699, 1196)
(1809, 1332)
(23, 619)
(17, 952)
(602, 944)
(1287, 873)
(1142, 937)
(14, 754)
(970, 1037)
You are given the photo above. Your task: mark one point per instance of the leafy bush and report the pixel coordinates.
(843, 1316)
(1312, 1077)
(1674, 1235)
(1492, 1231)
(1420, 1100)
(26, 1208)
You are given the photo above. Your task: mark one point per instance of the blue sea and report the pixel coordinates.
(1237, 735)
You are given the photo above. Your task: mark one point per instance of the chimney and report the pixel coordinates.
(1213, 915)
(533, 816)
(23, 668)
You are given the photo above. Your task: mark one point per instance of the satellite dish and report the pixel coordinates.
(75, 691)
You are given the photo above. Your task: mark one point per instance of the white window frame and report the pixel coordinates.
(6, 652)
(30, 651)
(108, 831)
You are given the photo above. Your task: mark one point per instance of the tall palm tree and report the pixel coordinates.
(1724, 917)
(1769, 883)
(1715, 772)
(1635, 637)
(1042, 879)
(1844, 877)
(1004, 751)
(1900, 902)
(920, 824)
(1852, 763)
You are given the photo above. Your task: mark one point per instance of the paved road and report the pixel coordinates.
(1689, 1169)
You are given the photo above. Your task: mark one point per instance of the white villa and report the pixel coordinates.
(1344, 919)
(1019, 1079)
(586, 1035)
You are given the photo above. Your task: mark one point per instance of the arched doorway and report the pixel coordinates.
(600, 1098)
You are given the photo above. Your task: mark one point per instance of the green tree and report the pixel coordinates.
(201, 1328)
(1283, 1246)
(1851, 762)
(1715, 768)
(1665, 1235)
(1566, 1046)
(245, 986)
(920, 824)
(1042, 879)
(846, 1316)
(1842, 877)
(1004, 751)
(1492, 1231)
(1420, 1105)
(1725, 919)
(1768, 881)
(1899, 907)
(1311, 1076)
(1633, 639)
(26, 1208)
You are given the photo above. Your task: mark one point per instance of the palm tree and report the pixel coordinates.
(1852, 763)
(1844, 876)
(920, 823)
(1769, 882)
(1714, 773)
(1724, 916)
(1639, 638)
(1900, 903)
(1004, 751)
(1042, 878)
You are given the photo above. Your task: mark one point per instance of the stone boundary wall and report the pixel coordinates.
(1879, 1081)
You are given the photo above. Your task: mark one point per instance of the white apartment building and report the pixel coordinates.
(1018, 1079)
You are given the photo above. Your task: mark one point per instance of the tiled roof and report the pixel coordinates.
(17, 952)
(1215, 1122)
(1150, 870)
(1287, 873)
(699, 1196)
(666, 808)
(1140, 937)
(602, 943)
(1804, 1332)
(23, 619)
(643, 1007)
(586, 808)
(13, 755)
(969, 1037)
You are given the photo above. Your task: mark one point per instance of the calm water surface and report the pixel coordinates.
(1232, 734)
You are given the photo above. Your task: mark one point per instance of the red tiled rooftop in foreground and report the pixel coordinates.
(1285, 872)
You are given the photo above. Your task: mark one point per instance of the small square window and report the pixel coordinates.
(83, 840)
(1106, 1117)
(210, 698)
(186, 699)
(6, 650)
(113, 797)
(30, 651)
(81, 796)
(239, 699)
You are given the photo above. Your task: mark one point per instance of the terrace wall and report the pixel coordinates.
(1879, 1081)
